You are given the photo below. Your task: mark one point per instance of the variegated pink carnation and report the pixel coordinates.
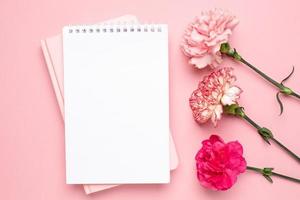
(219, 164)
(203, 37)
(214, 91)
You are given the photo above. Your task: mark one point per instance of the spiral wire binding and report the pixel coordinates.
(117, 27)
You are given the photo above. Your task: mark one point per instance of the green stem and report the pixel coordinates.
(254, 169)
(265, 133)
(283, 89)
(278, 85)
(269, 172)
(227, 50)
(295, 95)
(250, 121)
(286, 149)
(286, 177)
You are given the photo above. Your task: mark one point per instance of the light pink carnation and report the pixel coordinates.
(203, 37)
(218, 163)
(214, 91)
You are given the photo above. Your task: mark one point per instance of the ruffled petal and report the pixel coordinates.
(219, 164)
(204, 36)
(231, 95)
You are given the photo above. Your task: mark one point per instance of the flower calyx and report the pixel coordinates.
(226, 49)
(234, 109)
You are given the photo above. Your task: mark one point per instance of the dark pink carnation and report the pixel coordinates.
(219, 163)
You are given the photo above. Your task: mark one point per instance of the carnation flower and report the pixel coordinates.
(217, 94)
(204, 36)
(219, 164)
(214, 91)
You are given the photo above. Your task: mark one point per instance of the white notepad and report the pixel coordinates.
(116, 104)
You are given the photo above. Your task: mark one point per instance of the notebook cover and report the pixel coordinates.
(52, 50)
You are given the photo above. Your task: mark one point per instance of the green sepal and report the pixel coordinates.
(235, 110)
(236, 55)
(226, 49)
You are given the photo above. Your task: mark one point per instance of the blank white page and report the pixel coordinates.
(116, 104)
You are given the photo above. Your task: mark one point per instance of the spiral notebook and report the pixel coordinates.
(52, 51)
(116, 104)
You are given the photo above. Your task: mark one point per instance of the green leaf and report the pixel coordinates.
(268, 178)
(286, 78)
(280, 103)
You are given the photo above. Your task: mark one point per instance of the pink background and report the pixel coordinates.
(31, 129)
